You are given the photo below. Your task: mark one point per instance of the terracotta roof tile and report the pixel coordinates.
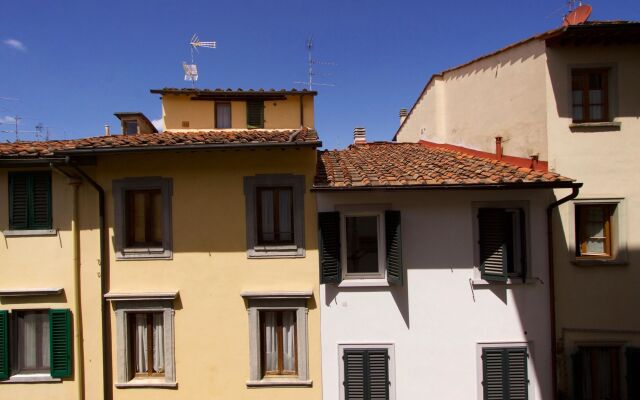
(159, 140)
(394, 165)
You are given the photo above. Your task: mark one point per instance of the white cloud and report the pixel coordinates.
(159, 124)
(7, 120)
(16, 44)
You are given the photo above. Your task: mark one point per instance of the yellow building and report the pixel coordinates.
(198, 243)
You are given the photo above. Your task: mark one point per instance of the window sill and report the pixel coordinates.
(276, 252)
(144, 254)
(595, 126)
(32, 378)
(267, 382)
(30, 232)
(147, 383)
(595, 261)
(347, 283)
(510, 282)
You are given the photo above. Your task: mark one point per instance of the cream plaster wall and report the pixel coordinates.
(436, 320)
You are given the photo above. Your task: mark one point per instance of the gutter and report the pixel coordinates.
(552, 284)
(104, 276)
(500, 186)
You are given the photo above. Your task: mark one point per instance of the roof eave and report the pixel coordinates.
(497, 186)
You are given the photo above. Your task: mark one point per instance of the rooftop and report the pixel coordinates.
(238, 94)
(390, 165)
(161, 141)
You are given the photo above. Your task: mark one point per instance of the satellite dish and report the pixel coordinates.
(578, 16)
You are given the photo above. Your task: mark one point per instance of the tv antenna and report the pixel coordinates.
(310, 72)
(191, 70)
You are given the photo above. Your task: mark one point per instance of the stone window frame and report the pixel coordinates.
(369, 345)
(126, 303)
(260, 301)
(297, 183)
(120, 186)
(529, 345)
(619, 245)
(612, 93)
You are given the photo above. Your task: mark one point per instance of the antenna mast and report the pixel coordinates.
(191, 70)
(310, 63)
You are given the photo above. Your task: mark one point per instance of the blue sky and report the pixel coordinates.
(71, 64)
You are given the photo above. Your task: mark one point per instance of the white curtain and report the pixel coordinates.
(29, 340)
(158, 343)
(288, 341)
(141, 342)
(271, 341)
(44, 340)
(285, 215)
(267, 215)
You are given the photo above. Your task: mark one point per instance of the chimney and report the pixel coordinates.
(107, 130)
(534, 162)
(499, 147)
(359, 135)
(403, 115)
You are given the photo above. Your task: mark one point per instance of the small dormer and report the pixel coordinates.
(133, 123)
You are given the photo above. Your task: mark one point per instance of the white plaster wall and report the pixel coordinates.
(426, 121)
(436, 320)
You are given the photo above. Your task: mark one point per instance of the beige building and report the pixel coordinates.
(198, 245)
(567, 101)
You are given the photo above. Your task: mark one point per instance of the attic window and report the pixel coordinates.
(185, 124)
(131, 127)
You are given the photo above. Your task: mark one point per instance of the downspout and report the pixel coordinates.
(106, 335)
(552, 285)
(75, 182)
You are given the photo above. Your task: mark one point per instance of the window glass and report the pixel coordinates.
(362, 244)
(599, 373)
(589, 95)
(33, 341)
(147, 343)
(131, 127)
(594, 229)
(279, 347)
(223, 115)
(144, 217)
(275, 215)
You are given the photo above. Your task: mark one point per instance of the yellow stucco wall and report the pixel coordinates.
(278, 114)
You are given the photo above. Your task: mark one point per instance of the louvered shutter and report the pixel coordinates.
(329, 237)
(395, 270)
(40, 204)
(4, 345)
(60, 343)
(18, 201)
(494, 225)
(255, 114)
(633, 373)
(378, 368)
(504, 373)
(493, 370)
(355, 375)
(518, 381)
(523, 244)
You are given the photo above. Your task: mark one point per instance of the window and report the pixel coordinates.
(35, 345)
(367, 372)
(223, 115)
(633, 372)
(505, 373)
(144, 339)
(593, 229)
(255, 114)
(590, 96)
(278, 338)
(596, 373)
(142, 218)
(130, 127)
(278, 342)
(275, 215)
(30, 200)
(371, 248)
(502, 239)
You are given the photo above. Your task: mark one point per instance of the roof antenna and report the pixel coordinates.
(311, 62)
(191, 70)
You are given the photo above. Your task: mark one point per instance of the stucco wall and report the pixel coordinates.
(436, 320)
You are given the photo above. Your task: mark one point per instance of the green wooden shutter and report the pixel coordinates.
(255, 114)
(329, 236)
(355, 374)
(518, 381)
(4, 345)
(493, 224)
(493, 371)
(18, 201)
(395, 270)
(504, 373)
(40, 204)
(576, 367)
(633, 373)
(523, 244)
(60, 343)
(378, 371)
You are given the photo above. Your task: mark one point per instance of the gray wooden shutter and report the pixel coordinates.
(18, 201)
(60, 343)
(255, 114)
(493, 224)
(40, 201)
(395, 270)
(504, 373)
(4, 345)
(378, 369)
(355, 375)
(329, 237)
(366, 374)
(523, 244)
(633, 373)
(518, 381)
(493, 370)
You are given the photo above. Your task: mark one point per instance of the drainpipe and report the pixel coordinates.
(106, 335)
(552, 285)
(77, 286)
